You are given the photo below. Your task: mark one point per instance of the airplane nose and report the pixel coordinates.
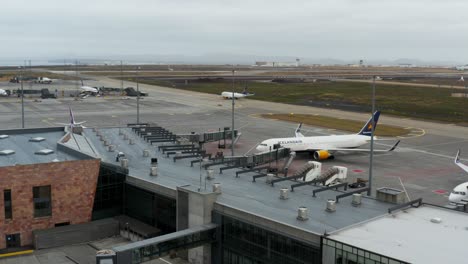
(454, 198)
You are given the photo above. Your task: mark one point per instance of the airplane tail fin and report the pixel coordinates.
(298, 131)
(72, 117)
(459, 164)
(366, 130)
(245, 91)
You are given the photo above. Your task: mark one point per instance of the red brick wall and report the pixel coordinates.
(73, 185)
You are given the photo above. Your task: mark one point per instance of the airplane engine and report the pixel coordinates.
(322, 155)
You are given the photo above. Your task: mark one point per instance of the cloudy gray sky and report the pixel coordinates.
(341, 29)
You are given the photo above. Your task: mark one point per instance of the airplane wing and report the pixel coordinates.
(360, 150)
(298, 131)
(459, 164)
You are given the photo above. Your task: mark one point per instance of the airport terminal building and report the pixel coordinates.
(169, 197)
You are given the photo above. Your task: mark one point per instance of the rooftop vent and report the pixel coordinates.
(124, 163)
(44, 152)
(302, 213)
(154, 170)
(284, 193)
(3, 136)
(357, 198)
(210, 174)
(331, 206)
(269, 178)
(111, 148)
(7, 152)
(217, 187)
(36, 139)
(146, 153)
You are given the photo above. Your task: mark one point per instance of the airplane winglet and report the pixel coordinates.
(457, 157)
(458, 162)
(298, 131)
(394, 146)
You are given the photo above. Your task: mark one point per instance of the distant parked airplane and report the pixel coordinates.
(323, 147)
(88, 90)
(460, 192)
(462, 68)
(229, 95)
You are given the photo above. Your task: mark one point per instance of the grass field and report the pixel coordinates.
(336, 123)
(416, 102)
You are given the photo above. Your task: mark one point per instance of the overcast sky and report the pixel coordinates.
(341, 29)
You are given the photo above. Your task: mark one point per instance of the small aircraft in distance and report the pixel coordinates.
(323, 147)
(229, 95)
(43, 80)
(460, 192)
(88, 90)
(72, 123)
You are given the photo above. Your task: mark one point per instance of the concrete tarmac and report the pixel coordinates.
(423, 162)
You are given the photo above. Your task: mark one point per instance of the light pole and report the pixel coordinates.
(371, 159)
(121, 79)
(22, 98)
(233, 103)
(138, 95)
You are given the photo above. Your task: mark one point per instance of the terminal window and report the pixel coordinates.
(7, 203)
(42, 203)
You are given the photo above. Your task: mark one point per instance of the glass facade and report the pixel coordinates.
(243, 243)
(109, 191)
(335, 252)
(149, 252)
(150, 208)
(7, 204)
(42, 203)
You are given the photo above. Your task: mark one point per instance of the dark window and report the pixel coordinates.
(7, 202)
(62, 224)
(13, 240)
(42, 203)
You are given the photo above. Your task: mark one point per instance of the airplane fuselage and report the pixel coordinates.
(299, 144)
(229, 95)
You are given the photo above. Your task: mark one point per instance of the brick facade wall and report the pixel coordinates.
(73, 186)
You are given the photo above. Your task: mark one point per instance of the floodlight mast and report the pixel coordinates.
(233, 103)
(371, 159)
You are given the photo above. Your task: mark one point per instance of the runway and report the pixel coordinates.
(423, 162)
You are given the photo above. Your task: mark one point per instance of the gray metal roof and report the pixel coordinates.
(238, 193)
(31, 152)
(411, 236)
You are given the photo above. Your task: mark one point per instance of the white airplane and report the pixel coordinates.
(462, 68)
(460, 192)
(3, 93)
(229, 95)
(43, 80)
(72, 121)
(88, 89)
(323, 147)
